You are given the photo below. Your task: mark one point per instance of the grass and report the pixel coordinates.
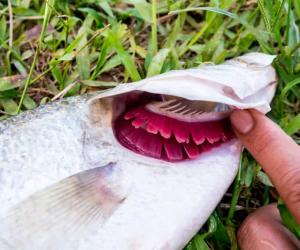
(50, 49)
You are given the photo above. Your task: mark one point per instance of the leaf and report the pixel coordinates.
(105, 6)
(9, 105)
(126, 59)
(46, 21)
(153, 47)
(8, 94)
(29, 103)
(293, 126)
(83, 57)
(174, 35)
(25, 11)
(288, 219)
(264, 15)
(248, 173)
(69, 52)
(6, 85)
(24, 3)
(215, 229)
(247, 25)
(91, 83)
(157, 62)
(219, 235)
(11, 82)
(289, 86)
(292, 32)
(93, 13)
(143, 8)
(110, 64)
(3, 28)
(213, 9)
(231, 231)
(141, 51)
(101, 59)
(74, 44)
(199, 243)
(264, 179)
(27, 54)
(18, 64)
(67, 57)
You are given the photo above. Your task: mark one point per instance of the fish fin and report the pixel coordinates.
(56, 216)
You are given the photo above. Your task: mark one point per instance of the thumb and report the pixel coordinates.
(277, 153)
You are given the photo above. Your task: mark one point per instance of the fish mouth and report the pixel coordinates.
(172, 128)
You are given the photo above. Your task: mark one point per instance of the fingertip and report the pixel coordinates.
(274, 150)
(242, 121)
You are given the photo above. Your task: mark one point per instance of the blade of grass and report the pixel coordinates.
(278, 14)
(91, 83)
(222, 12)
(101, 59)
(10, 39)
(264, 15)
(83, 58)
(68, 53)
(127, 61)
(111, 63)
(157, 62)
(11, 23)
(288, 87)
(235, 195)
(154, 28)
(198, 242)
(9, 105)
(47, 16)
(288, 219)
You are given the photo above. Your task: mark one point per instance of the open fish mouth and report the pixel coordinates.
(178, 115)
(172, 128)
(181, 114)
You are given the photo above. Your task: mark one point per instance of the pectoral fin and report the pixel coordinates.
(54, 217)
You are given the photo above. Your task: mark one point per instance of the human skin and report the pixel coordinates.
(279, 157)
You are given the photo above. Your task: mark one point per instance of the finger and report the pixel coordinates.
(277, 153)
(263, 230)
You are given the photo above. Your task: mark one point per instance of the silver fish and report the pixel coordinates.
(66, 182)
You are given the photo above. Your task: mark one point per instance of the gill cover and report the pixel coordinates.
(243, 82)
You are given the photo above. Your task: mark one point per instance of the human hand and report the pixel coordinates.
(279, 156)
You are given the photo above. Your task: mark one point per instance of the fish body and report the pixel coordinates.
(67, 183)
(162, 203)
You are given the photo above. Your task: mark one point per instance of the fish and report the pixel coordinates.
(139, 166)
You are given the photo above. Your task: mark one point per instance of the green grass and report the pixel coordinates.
(50, 49)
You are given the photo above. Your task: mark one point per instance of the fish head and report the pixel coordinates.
(158, 156)
(176, 146)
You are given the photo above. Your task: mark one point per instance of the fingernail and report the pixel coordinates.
(242, 121)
